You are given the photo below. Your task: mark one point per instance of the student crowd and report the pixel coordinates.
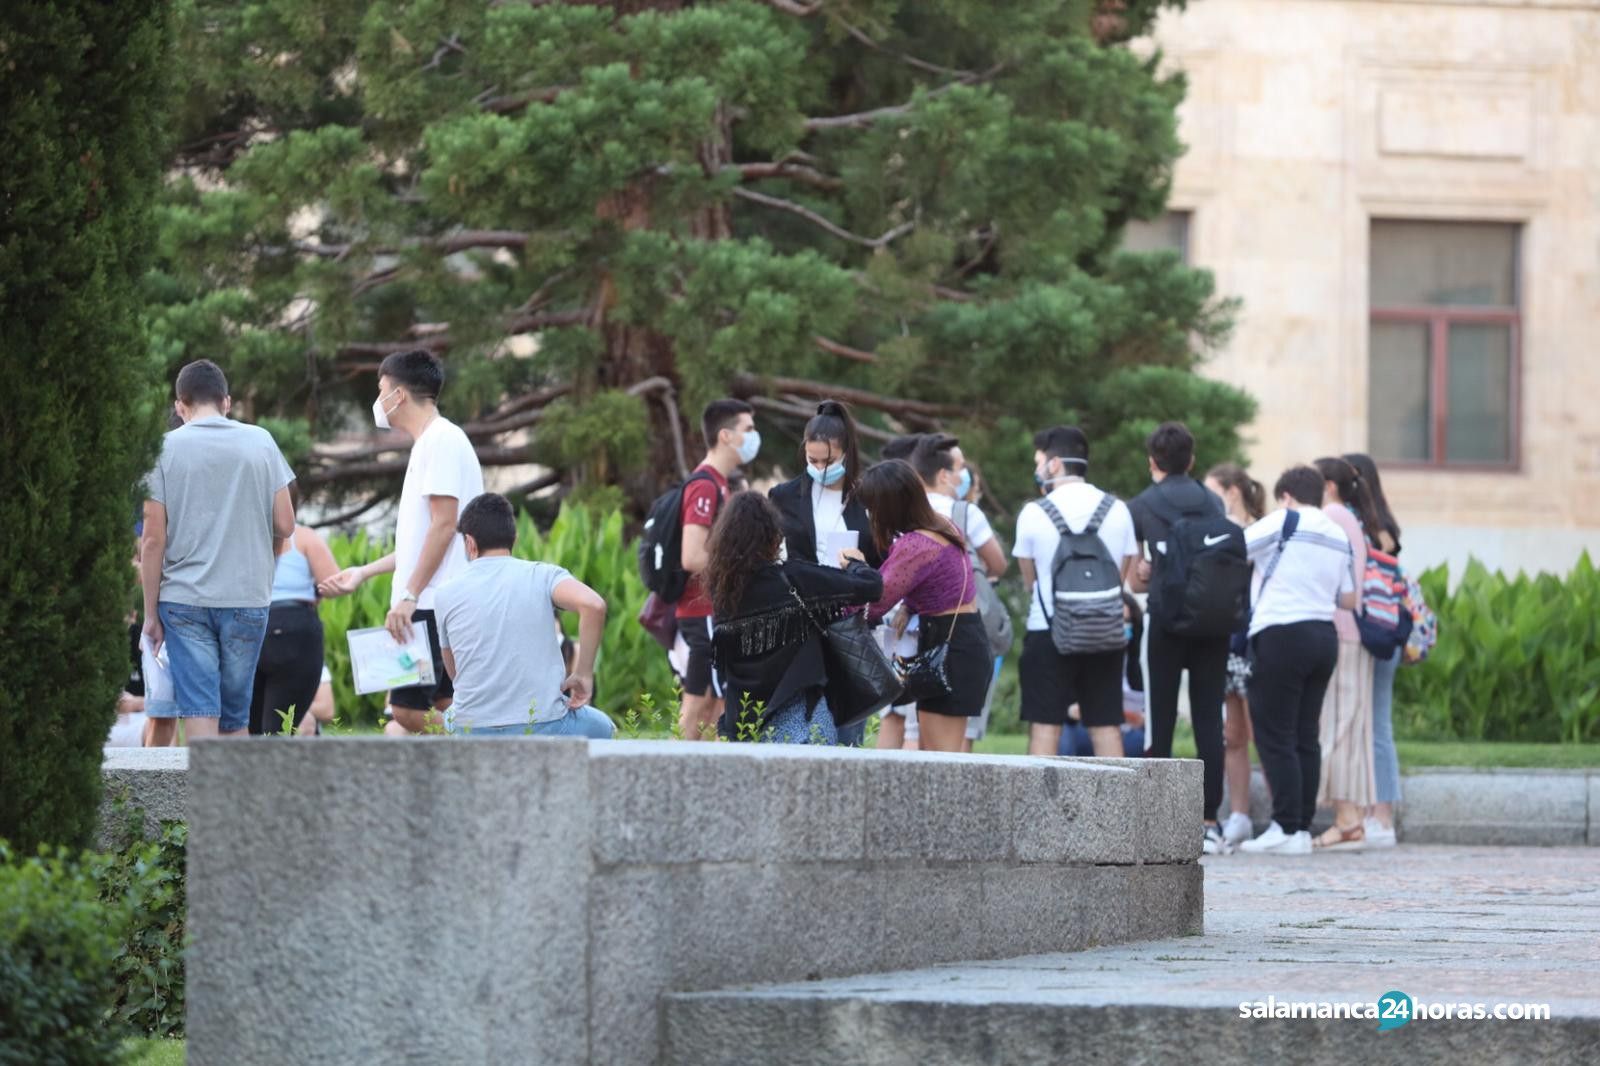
(853, 590)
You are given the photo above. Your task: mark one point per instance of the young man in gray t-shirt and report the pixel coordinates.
(217, 497)
(501, 641)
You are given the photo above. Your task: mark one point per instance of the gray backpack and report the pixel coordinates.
(996, 619)
(1088, 587)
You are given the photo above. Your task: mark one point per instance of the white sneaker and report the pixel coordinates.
(1379, 835)
(1237, 828)
(1271, 838)
(1214, 843)
(1299, 844)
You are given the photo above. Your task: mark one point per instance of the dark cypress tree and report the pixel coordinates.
(82, 89)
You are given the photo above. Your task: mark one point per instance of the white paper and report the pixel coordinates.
(380, 663)
(156, 671)
(841, 540)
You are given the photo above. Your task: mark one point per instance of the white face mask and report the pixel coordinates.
(380, 417)
(749, 446)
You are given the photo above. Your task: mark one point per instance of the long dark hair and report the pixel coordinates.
(746, 537)
(1234, 476)
(1352, 493)
(894, 496)
(1368, 470)
(832, 424)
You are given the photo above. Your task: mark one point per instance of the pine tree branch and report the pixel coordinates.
(354, 513)
(909, 60)
(803, 414)
(797, 7)
(789, 171)
(817, 220)
(867, 118)
(844, 351)
(442, 340)
(488, 455)
(449, 244)
(750, 385)
(511, 102)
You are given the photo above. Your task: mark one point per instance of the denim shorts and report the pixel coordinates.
(213, 652)
(589, 722)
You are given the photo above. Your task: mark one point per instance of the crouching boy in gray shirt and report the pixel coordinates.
(502, 643)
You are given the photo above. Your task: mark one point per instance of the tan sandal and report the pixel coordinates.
(1337, 837)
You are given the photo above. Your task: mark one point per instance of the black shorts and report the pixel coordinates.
(424, 697)
(1052, 682)
(701, 678)
(968, 664)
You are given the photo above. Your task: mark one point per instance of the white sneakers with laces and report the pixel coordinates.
(1236, 830)
(1274, 841)
(1378, 835)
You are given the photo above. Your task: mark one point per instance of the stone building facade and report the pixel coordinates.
(1406, 196)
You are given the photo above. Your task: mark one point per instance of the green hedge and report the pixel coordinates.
(1517, 659)
(83, 91)
(592, 548)
(91, 949)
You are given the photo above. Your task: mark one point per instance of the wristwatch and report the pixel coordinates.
(408, 595)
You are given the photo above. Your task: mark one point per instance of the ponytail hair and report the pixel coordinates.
(1354, 494)
(832, 424)
(1251, 491)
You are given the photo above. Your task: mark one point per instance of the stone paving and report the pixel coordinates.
(1440, 923)
(1446, 925)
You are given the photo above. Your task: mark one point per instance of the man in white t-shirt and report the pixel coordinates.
(942, 466)
(442, 477)
(1052, 682)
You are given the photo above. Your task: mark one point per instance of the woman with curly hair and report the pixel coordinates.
(769, 618)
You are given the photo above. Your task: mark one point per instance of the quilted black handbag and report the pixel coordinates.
(861, 679)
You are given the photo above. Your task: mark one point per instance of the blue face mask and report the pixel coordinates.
(1127, 632)
(964, 486)
(831, 476)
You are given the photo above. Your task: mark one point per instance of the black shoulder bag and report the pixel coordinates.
(861, 680)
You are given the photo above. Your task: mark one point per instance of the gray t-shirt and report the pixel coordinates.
(498, 620)
(217, 479)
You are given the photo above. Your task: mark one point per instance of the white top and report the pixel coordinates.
(978, 531)
(827, 516)
(442, 464)
(1037, 538)
(1314, 570)
(499, 622)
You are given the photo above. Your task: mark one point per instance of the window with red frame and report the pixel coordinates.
(1444, 346)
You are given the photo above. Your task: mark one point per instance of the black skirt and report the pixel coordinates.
(968, 664)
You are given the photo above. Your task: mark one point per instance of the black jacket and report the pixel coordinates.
(770, 651)
(793, 498)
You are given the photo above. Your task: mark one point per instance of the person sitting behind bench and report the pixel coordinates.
(501, 642)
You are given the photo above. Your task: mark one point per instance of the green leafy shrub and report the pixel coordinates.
(58, 939)
(1517, 659)
(591, 547)
(148, 879)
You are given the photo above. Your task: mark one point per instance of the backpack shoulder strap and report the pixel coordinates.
(959, 515)
(1099, 516)
(1054, 515)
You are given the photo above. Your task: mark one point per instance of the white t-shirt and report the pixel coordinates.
(978, 531)
(1037, 538)
(827, 516)
(442, 464)
(1314, 569)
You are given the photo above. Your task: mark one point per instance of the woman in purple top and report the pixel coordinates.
(926, 566)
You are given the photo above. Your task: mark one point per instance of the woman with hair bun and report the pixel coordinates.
(820, 503)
